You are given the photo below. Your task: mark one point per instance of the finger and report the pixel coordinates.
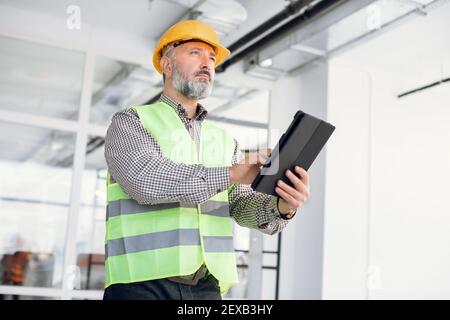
(252, 158)
(298, 184)
(298, 197)
(304, 176)
(291, 191)
(263, 155)
(265, 152)
(286, 188)
(287, 197)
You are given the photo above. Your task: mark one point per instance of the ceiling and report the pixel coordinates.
(417, 50)
(333, 31)
(139, 17)
(147, 18)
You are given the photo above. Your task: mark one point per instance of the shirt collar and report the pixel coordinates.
(181, 111)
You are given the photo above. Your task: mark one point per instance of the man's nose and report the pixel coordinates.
(207, 63)
(207, 68)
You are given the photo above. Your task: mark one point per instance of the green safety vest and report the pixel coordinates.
(146, 242)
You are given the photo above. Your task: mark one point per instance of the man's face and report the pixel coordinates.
(193, 69)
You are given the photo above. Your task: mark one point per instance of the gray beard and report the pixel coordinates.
(191, 89)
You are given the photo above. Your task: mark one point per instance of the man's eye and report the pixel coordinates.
(213, 59)
(194, 52)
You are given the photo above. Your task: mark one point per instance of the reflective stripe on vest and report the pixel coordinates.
(167, 239)
(129, 206)
(145, 242)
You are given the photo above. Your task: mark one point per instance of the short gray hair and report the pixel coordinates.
(169, 52)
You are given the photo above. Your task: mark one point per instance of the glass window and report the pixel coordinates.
(35, 181)
(268, 287)
(270, 243)
(239, 291)
(40, 80)
(91, 221)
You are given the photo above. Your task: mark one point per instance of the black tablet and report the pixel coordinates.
(298, 146)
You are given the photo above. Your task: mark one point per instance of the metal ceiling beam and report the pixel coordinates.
(428, 86)
(311, 50)
(373, 33)
(292, 9)
(316, 23)
(305, 17)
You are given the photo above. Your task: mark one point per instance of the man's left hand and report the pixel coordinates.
(292, 198)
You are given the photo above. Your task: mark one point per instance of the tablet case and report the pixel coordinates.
(298, 146)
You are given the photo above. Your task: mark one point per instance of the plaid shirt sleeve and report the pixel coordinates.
(253, 209)
(135, 161)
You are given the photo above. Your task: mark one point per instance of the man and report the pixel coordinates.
(176, 181)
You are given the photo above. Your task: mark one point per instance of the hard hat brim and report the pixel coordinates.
(221, 52)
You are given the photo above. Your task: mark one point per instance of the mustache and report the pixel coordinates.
(203, 72)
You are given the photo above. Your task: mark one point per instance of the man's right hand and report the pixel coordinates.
(246, 170)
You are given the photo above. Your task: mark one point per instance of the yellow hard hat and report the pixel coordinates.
(190, 30)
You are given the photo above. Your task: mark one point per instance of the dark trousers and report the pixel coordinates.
(163, 289)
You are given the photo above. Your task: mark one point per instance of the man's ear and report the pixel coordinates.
(166, 65)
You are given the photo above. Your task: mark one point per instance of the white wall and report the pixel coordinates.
(347, 187)
(381, 190)
(387, 222)
(410, 238)
(302, 240)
